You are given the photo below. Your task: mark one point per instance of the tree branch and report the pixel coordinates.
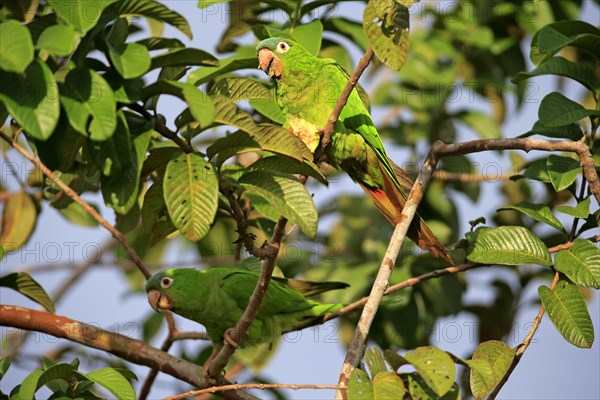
(240, 331)
(214, 389)
(355, 350)
(523, 346)
(341, 101)
(76, 198)
(124, 347)
(527, 144)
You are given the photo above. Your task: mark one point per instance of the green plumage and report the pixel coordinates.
(217, 298)
(307, 89)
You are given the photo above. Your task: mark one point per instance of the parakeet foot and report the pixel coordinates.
(229, 339)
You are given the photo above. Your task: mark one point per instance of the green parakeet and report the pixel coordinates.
(307, 88)
(217, 298)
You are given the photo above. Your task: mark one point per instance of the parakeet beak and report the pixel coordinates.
(157, 300)
(268, 62)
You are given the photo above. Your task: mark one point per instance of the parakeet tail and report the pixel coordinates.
(391, 202)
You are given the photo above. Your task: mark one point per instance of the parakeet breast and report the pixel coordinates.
(306, 131)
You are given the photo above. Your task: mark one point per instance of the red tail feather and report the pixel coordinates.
(391, 202)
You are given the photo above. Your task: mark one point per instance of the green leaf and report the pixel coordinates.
(31, 99)
(580, 72)
(77, 215)
(288, 166)
(201, 105)
(238, 88)
(506, 245)
(152, 9)
(553, 37)
(60, 40)
(581, 210)
(388, 385)
(151, 326)
(205, 74)
(82, 14)
(419, 390)
(568, 312)
(131, 60)
(581, 263)
(113, 155)
(386, 25)
(481, 377)
(375, 361)
(16, 50)
(435, 367)
(19, 218)
(309, 35)
(562, 171)
(27, 286)
(191, 192)
(89, 103)
(254, 136)
(269, 108)
(184, 57)
(483, 124)
(570, 131)
(286, 194)
(557, 110)
(113, 381)
(394, 359)
(4, 365)
(539, 212)
(359, 386)
(538, 171)
(155, 216)
(120, 191)
(346, 27)
(499, 357)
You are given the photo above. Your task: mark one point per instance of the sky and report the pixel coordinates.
(550, 369)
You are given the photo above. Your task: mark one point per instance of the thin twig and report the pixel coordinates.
(245, 237)
(240, 331)
(147, 386)
(76, 198)
(523, 346)
(403, 285)
(341, 101)
(214, 389)
(161, 128)
(355, 350)
(127, 348)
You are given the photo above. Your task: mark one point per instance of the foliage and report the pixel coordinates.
(86, 96)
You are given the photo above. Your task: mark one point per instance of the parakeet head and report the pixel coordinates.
(276, 54)
(166, 288)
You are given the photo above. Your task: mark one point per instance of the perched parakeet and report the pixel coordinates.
(217, 298)
(307, 88)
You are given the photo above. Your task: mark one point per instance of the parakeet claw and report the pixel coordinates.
(229, 339)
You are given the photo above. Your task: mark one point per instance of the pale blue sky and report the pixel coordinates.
(550, 369)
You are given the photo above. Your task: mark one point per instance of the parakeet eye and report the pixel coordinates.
(282, 47)
(166, 282)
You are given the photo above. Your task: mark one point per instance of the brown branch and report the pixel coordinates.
(238, 386)
(434, 274)
(523, 346)
(403, 285)
(76, 198)
(341, 101)
(245, 237)
(161, 128)
(355, 350)
(240, 331)
(129, 349)
(527, 144)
